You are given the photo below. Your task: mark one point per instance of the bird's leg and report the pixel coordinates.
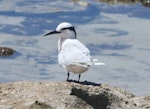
(68, 76)
(79, 77)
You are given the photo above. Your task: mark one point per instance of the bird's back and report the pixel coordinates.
(73, 52)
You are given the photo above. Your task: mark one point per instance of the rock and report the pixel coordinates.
(6, 51)
(67, 95)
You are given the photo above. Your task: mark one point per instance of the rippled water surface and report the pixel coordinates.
(115, 34)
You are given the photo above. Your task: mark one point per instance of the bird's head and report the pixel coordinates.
(65, 29)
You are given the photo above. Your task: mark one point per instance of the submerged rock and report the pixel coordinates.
(6, 51)
(67, 95)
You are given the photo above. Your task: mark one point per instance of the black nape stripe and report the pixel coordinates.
(70, 28)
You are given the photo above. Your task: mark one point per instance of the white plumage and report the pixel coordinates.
(73, 55)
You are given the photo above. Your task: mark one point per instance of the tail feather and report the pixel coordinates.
(99, 63)
(95, 62)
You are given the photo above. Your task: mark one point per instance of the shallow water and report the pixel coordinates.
(115, 34)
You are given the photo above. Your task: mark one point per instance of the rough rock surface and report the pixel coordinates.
(68, 95)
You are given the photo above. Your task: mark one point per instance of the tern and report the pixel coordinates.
(72, 54)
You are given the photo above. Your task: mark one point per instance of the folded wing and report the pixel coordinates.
(73, 52)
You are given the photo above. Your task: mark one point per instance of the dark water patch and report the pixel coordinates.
(134, 10)
(44, 75)
(107, 20)
(94, 49)
(36, 23)
(115, 46)
(4, 80)
(14, 56)
(98, 48)
(121, 70)
(145, 63)
(147, 70)
(115, 32)
(147, 49)
(46, 60)
(116, 54)
(12, 29)
(31, 2)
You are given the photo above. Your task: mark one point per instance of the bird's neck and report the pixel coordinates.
(65, 35)
(60, 42)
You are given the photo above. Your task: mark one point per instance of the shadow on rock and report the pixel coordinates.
(85, 83)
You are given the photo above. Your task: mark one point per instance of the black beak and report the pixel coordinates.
(53, 32)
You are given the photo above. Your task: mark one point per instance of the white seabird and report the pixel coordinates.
(72, 54)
